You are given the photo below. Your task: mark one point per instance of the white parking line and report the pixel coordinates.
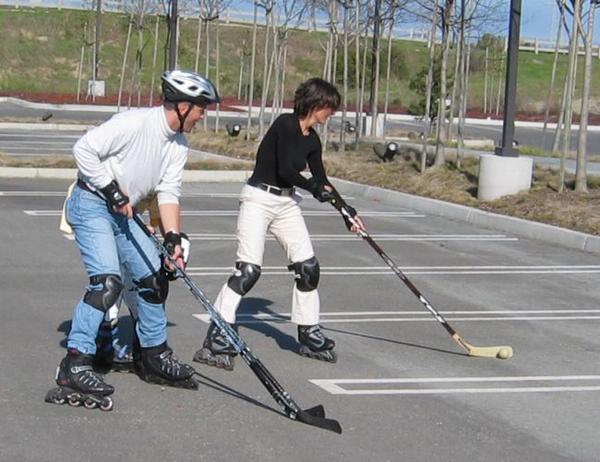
(422, 316)
(352, 238)
(378, 237)
(231, 213)
(409, 270)
(334, 386)
(63, 193)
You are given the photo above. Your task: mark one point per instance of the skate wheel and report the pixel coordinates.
(74, 400)
(89, 403)
(59, 400)
(106, 404)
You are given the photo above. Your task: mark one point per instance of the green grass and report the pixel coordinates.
(41, 52)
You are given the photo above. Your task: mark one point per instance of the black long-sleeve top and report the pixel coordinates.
(284, 152)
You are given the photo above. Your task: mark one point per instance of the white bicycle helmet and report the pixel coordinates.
(179, 86)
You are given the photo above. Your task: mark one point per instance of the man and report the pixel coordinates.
(134, 154)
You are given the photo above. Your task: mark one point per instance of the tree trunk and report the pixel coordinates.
(357, 114)
(441, 118)
(552, 79)
(198, 40)
(429, 83)
(207, 64)
(241, 79)
(124, 62)
(217, 73)
(344, 83)
(387, 75)
(263, 98)
(252, 64)
(485, 82)
(81, 59)
(375, 67)
(154, 54)
(573, 49)
(581, 171)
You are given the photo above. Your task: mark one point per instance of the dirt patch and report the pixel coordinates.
(543, 203)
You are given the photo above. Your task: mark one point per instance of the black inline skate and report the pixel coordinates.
(78, 384)
(216, 350)
(313, 344)
(159, 365)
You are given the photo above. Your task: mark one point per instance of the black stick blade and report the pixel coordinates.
(325, 424)
(317, 411)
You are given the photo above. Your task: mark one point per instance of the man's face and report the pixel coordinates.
(196, 114)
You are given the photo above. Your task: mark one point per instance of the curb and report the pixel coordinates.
(49, 126)
(529, 229)
(207, 176)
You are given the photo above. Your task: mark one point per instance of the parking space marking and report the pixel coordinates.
(378, 237)
(230, 213)
(63, 193)
(422, 316)
(334, 386)
(409, 270)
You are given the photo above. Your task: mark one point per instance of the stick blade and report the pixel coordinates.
(317, 411)
(500, 352)
(320, 422)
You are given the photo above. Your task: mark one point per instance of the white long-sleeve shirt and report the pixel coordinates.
(139, 150)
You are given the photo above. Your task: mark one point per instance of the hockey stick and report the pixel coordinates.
(314, 416)
(500, 352)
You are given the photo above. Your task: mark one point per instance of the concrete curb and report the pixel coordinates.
(518, 226)
(207, 176)
(36, 126)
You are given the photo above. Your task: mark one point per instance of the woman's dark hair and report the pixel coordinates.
(313, 94)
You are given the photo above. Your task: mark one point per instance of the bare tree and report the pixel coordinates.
(549, 96)
(581, 170)
(252, 64)
(573, 49)
(441, 115)
(123, 66)
(429, 85)
(268, 6)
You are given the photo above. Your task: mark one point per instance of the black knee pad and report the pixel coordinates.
(108, 293)
(154, 288)
(307, 274)
(244, 277)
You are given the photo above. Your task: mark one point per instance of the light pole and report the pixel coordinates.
(510, 89)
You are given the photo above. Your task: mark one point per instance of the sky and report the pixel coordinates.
(538, 20)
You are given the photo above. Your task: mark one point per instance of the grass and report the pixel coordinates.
(41, 53)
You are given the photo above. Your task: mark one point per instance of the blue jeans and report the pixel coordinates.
(106, 241)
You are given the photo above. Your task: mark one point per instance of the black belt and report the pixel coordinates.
(272, 189)
(83, 185)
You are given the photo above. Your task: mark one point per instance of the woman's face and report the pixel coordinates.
(322, 114)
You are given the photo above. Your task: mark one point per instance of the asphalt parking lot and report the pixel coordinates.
(402, 389)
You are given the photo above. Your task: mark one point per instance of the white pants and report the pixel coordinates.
(262, 212)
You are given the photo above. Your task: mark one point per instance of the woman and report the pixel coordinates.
(269, 203)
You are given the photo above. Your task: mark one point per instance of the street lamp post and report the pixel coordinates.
(510, 90)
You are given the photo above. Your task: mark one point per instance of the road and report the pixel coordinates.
(402, 389)
(524, 135)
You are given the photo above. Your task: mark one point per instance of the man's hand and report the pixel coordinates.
(173, 245)
(118, 201)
